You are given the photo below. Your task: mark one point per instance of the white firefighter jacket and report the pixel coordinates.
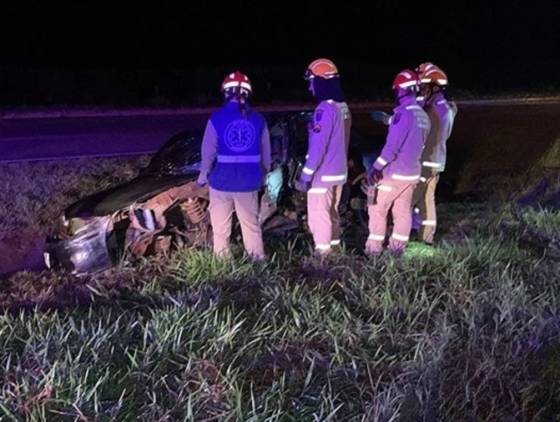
(329, 137)
(442, 115)
(400, 158)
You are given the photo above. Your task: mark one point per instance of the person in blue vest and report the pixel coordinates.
(235, 160)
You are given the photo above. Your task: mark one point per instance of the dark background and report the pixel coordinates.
(132, 53)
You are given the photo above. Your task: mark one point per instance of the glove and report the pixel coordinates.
(380, 116)
(302, 186)
(375, 177)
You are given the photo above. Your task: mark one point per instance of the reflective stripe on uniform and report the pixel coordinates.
(381, 161)
(429, 222)
(431, 164)
(238, 158)
(308, 171)
(337, 178)
(441, 102)
(317, 190)
(376, 237)
(404, 177)
(413, 107)
(423, 179)
(399, 237)
(385, 188)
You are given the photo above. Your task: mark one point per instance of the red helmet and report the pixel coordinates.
(237, 81)
(425, 67)
(406, 79)
(323, 68)
(434, 76)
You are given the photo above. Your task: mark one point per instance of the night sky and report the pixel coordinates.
(107, 53)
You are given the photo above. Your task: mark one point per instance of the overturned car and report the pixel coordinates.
(163, 207)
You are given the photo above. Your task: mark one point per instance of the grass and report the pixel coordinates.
(467, 330)
(464, 331)
(548, 221)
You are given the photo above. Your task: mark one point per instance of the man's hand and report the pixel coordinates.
(380, 116)
(302, 186)
(200, 184)
(375, 177)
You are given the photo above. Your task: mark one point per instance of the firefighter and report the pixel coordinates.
(442, 112)
(235, 160)
(326, 167)
(397, 169)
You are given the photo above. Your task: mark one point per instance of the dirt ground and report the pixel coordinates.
(21, 249)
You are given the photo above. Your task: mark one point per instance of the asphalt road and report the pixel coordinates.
(57, 138)
(46, 137)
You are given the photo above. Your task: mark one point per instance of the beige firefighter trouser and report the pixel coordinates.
(245, 204)
(425, 200)
(397, 194)
(323, 218)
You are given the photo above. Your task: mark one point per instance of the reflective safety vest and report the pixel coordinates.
(238, 161)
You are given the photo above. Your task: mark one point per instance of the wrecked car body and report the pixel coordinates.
(136, 217)
(163, 207)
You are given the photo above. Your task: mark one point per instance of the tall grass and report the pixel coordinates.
(467, 330)
(545, 220)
